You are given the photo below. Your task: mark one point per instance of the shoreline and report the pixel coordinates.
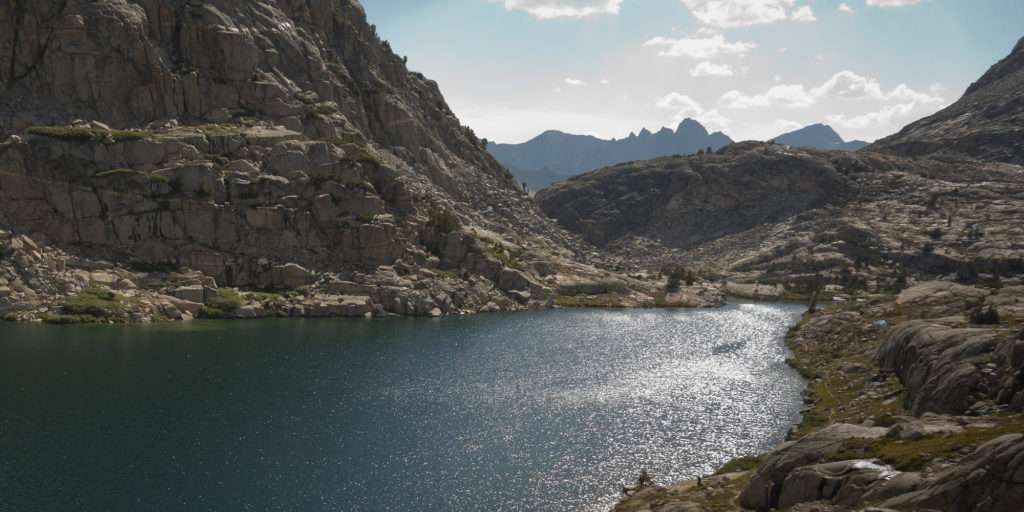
(866, 418)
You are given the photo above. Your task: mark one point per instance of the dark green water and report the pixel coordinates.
(537, 411)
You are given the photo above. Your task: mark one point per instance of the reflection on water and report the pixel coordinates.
(547, 410)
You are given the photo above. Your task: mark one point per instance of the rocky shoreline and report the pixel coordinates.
(914, 402)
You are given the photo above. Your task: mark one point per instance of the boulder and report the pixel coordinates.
(290, 276)
(990, 479)
(944, 368)
(762, 492)
(842, 482)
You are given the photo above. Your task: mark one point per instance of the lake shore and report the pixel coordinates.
(907, 394)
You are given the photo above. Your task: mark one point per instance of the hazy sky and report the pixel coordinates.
(754, 69)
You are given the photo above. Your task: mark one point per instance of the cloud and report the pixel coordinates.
(844, 85)
(786, 126)
(743, 13)
(779, 95)
(846, 8)
(576, 83)
(686, 106)
(803, 15)
(705, 44)
(707, 68)
(892, 3)
(896, 115)
(550, 9)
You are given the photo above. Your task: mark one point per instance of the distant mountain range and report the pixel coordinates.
(554, 156)
(818, 136)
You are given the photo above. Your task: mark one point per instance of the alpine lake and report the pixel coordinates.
(534, 411)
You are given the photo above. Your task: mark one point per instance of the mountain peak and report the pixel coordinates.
(819, 136)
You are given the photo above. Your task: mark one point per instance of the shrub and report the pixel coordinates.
(321, 177)
(203, 190)
(365, 217)
(93, 301)
(112, 172)
(677, 276)
(359, 185)
(85, 134)
(987, 317)
(444, 220)
(223, 305)
(158, 178)
(68, 319)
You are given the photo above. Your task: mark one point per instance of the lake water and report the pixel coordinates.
(535, 411)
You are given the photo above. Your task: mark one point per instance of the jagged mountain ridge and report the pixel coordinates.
(986, 122)
(554, 155)
(972, 168)
(818, 136)
(270, 144)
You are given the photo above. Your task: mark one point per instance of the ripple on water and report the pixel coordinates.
(547, 410)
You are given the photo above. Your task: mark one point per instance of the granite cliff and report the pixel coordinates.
(166, 149)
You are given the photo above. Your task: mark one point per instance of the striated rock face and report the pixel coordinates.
(946, 369)
(987, 122)
(267, 144)
(685, 201)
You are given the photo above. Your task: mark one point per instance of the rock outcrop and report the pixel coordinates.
(773, 481)
(947, 370)
(985, 123)
(991, 479)
(270, 145)
(685, 201)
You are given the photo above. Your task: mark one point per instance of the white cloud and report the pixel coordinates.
(576, 83)
(708, 68)
(549, 9)
(846, 8)
(782, 50)
(743, 13)
(686, 106)
(786, 126)
(779, 95)
(844, 85)
(705, 44)
(895, 115)
(892, 3)
(803, 15)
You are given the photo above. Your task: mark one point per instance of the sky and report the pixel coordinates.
(753, 69)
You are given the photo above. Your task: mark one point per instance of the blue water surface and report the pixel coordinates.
(535, 411)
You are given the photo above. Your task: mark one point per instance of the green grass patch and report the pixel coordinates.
(68, 319)
(741, 464)
(92, 301)
(158, 178)
(906, 455)
(223, 305)
(114, 172)
(85, 134)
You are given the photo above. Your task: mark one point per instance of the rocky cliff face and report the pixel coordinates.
(236, 138)
(987, 122)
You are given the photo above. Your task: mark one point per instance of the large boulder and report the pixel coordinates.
(990, 479)
(765, 486)
(945, 369)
